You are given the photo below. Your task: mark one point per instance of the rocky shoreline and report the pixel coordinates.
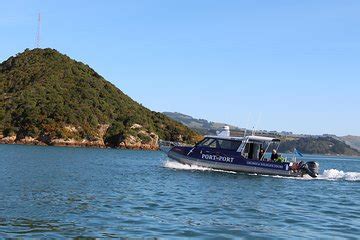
(129, 142)
(74, 143)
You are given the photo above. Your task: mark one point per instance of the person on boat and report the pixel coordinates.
(274, 155)
(261, 153)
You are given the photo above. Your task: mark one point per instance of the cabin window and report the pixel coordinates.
(209, 142)
(214, 144)
(202, 142)
(229, 144)
(220, 143)
(252, 150)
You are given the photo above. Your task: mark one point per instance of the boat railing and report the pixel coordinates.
(169, 143)
(165, 146)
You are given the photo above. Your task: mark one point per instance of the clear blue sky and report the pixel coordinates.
(297, 63)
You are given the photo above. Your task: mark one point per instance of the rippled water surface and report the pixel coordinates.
(70, 192)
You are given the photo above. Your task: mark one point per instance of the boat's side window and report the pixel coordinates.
(202, 142)
(252, 150)
(247, 150)
(214, 144)
(229, 144)
(210, 142)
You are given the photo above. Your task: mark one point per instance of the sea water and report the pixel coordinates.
(74, 192)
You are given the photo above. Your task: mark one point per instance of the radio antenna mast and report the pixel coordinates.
(37, 43)
(257, 124)
(247, 123)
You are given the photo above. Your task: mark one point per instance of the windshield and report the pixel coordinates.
(220, 144)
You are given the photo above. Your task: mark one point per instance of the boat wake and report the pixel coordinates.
(329, 174)
(180, 166)
(334, 174)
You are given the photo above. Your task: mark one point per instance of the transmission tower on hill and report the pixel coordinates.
(37, 43)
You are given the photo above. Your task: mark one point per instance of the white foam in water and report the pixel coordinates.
(177, 165)
(180, 166)
(329, 174)
(334, 174)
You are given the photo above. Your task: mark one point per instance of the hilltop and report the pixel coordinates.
(319, 145)
(201, 126)
(353, 141)
(330, 145)
(49, 98)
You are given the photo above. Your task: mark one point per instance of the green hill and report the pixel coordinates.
(49, 98)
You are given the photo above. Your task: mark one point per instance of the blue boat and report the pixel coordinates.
(247, 154)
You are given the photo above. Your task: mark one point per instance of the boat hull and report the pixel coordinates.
(246, 166)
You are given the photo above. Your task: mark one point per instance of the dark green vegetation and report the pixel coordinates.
(310, 145)
(46, 94)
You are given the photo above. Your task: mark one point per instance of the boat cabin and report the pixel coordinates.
(249, 147)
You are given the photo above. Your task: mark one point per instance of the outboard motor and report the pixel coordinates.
(310, 168)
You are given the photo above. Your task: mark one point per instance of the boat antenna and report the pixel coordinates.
(257, 123)
(247, 123)
(293, 156)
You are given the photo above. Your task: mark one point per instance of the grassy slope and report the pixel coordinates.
(319, 145)
(202, 126)
(43, 91)
(353, 141)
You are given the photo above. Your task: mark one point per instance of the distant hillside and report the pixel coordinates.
(353, 141)
(309, 145)
(48, 98)
(319, 145)
(202, 126)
